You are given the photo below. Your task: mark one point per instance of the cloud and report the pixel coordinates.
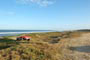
(39, 2)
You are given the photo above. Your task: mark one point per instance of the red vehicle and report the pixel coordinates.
(24, 38)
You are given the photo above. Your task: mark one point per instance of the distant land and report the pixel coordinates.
(84, 30)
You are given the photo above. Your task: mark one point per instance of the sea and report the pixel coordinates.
(15, 32)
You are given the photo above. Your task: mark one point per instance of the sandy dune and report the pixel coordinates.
(76, 48)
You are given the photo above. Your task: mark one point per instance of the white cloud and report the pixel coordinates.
(39, 2)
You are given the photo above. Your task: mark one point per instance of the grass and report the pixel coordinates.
(39, 48)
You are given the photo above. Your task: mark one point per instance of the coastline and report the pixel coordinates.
(18, 32)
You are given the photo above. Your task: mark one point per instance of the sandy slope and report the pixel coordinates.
(76, 48)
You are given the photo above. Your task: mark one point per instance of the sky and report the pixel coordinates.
(45, 14)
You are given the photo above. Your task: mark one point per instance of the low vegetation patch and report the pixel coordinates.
(43, 46)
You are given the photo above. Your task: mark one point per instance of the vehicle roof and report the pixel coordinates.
(25, 36)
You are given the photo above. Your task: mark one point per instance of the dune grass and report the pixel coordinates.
(39, 48)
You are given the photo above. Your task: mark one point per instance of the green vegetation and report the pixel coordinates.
(43, 46)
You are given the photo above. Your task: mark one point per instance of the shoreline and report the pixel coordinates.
(17, 33)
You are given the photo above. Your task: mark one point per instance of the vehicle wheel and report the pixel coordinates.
(28, 39)
(18, 39)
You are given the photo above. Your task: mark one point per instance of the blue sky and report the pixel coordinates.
(45, 14)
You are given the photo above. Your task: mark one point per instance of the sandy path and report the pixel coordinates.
(76, 48)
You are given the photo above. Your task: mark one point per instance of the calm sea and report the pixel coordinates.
(14, 32)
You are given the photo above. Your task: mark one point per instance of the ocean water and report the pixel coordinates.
(15, 32)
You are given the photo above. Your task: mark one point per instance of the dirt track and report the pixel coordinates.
(76, 48)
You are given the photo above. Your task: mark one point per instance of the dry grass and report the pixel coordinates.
(43, 46)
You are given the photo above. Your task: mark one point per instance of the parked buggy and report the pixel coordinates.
(28, 38)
